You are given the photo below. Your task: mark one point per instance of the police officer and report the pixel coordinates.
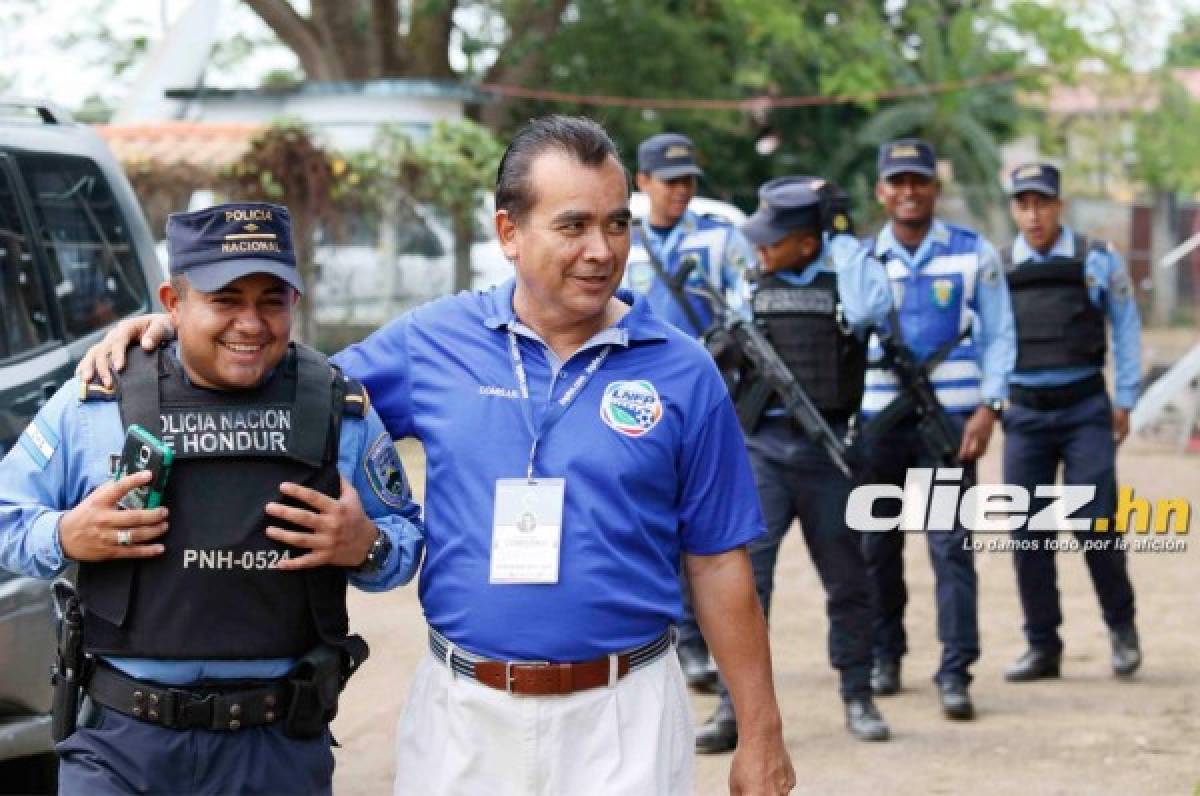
(670, 238)
(815, 302)
(946, 285)
(1063, 287)
(216, 623)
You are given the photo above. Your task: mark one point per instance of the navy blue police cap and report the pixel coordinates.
(668, 156)
(1037, 177)
(907, 156)
(214, 246)
(786, 204)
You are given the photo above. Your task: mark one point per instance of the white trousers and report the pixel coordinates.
(459, 737)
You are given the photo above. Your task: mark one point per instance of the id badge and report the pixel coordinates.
(527, 530)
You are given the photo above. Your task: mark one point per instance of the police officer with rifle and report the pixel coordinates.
(797, 378)
(210, 632)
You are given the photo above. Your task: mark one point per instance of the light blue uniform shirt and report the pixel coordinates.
(1109, 289)
(63, 456)
(650, 450)
(952, 282)
(721, 254)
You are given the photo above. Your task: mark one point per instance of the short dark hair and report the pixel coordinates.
(575, 136)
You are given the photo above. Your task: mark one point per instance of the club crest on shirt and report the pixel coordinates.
(631, 408)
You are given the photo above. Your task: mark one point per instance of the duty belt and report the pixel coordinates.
(543, 678)
(205, 706)
(1048, 398)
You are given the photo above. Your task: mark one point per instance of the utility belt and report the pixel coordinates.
(542, 678)
(1048, 398)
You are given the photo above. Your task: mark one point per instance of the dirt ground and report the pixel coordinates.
(1085, 733)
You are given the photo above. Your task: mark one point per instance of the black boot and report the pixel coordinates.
(864, 720)
(719, 734)
(1035, 664)
(885, 677)
(1126, 652)
(956, 702)
(698, 669)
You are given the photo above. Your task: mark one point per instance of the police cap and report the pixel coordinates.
(1037, 177)
(907, 156)
(667, 156)
(786, 204)
(216, 245)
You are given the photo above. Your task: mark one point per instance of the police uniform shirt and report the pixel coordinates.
(959, 284)
(650, 451)
(64, 455)
(1111, 290)
(721, 254)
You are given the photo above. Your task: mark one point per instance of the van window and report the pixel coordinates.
(26, 324)
(93, 268)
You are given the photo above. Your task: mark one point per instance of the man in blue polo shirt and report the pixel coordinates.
(577, 447)
(950, 298)
(1063, 287)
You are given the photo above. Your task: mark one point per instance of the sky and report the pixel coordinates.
(34, 59)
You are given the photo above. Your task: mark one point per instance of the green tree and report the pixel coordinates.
(1183, 46)
(1165, 140)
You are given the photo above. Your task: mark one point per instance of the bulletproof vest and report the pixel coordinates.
(805, 327)
(213, 593)
(1058, 326)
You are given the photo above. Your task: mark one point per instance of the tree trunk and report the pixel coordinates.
(535, 21)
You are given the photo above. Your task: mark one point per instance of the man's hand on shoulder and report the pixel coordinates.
(340, 533)
(107, 357)
(98, 530)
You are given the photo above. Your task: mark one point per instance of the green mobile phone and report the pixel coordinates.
(144, 451)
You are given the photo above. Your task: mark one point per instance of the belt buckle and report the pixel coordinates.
(189, 708)
(508, 671)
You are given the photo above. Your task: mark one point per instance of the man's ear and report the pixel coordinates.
(879, 186)
(507, 232)
(169, 297)
(642, 180)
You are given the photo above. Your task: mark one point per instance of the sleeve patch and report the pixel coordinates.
(385, 473)
(40, 443)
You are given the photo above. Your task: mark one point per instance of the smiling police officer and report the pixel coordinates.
(216, 624)
(1063, 288)
(815, 302)
(950, 298)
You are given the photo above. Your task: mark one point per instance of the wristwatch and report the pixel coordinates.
(381, 548)
(998, 406)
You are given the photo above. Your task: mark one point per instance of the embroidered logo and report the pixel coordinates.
(631, 408)
(943, 292)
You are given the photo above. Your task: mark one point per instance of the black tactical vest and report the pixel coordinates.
(1058, 326)
(212, 594)
(805, 327)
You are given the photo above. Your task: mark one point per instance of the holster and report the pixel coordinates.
(316, 681)
(71, 665)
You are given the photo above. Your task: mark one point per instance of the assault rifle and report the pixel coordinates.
(749, 340)
(918, 398)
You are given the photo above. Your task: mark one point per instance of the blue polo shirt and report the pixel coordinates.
(650, 449)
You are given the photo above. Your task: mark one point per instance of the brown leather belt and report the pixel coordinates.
(542, 678)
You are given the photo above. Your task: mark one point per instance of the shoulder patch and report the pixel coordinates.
(97, 392)
(40, 442)
(356, 402)
(385, 473)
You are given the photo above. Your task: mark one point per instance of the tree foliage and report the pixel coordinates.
(1165, 140)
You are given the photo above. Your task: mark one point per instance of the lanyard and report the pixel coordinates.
(556, 409)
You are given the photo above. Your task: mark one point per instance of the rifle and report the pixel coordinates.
(772, 371)
(674, 285)
(68, 674)
(938, 434)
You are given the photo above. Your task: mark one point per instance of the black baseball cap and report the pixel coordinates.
(907, 156)
(667, 156)
(786, 204)
(214, 246)
(1037, 177)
